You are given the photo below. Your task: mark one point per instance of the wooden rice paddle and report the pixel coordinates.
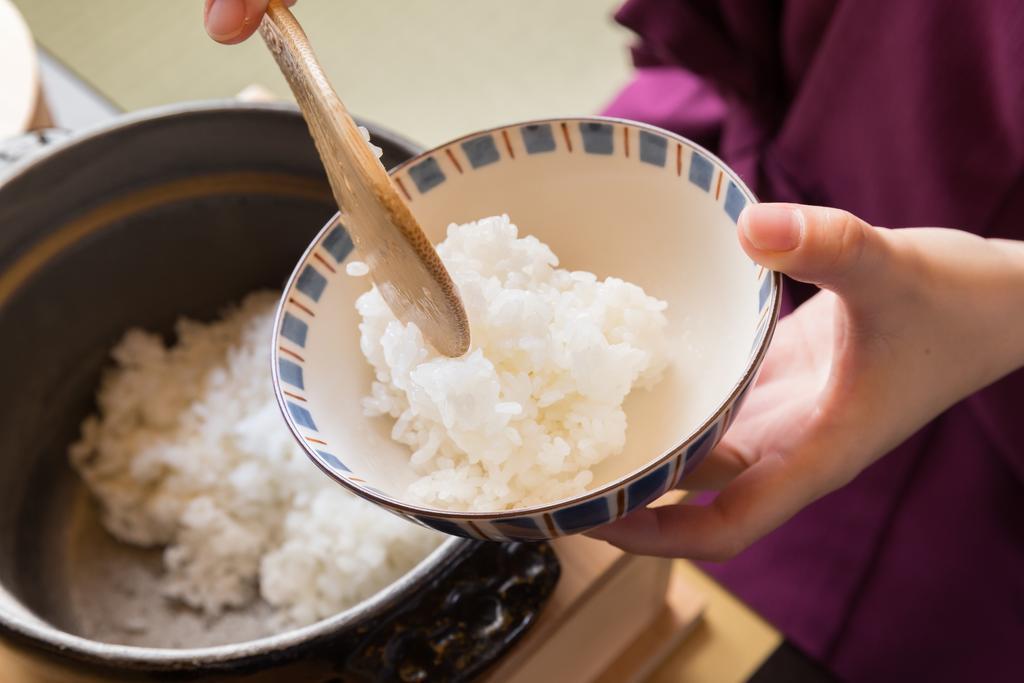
(403, 264)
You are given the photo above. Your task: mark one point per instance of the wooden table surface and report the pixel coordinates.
(461, 66)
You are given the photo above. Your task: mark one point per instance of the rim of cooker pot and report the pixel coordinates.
(42, 635)
(167, 111)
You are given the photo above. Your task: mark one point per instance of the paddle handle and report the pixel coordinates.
(351, 167)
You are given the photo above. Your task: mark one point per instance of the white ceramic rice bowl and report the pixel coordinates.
(613, 197)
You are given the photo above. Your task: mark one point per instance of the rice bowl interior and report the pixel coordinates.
(665, 221)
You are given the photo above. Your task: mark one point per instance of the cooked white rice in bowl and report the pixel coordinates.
(523, 418)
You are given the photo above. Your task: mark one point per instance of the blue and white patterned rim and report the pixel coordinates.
(423, 173)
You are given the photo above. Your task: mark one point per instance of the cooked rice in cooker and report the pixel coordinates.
(188, 451)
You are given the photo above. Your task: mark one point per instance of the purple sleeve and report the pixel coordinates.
(674, 99)
(705, 75)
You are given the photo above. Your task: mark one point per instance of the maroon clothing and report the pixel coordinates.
(906, 113)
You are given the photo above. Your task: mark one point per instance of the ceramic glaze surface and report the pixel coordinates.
(612, 197)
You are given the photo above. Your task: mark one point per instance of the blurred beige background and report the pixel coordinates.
(430, 69)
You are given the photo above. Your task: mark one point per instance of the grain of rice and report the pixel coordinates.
(357, 268)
